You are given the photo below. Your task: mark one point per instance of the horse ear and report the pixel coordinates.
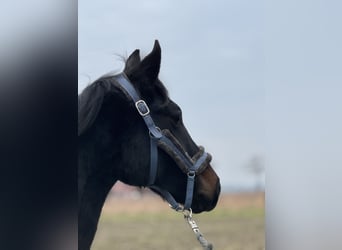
(150, 65)
(132, 61)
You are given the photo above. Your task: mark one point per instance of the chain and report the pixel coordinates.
(188, 217)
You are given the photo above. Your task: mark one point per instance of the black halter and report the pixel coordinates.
(166, 141)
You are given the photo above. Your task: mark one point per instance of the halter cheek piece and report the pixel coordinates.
(167, 142)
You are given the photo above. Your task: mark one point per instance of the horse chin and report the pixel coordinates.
(202, 207)
(204, 204)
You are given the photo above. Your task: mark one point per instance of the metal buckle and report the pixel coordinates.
(142, 108)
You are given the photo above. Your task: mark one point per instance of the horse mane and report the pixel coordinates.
(92, 97)
(89, 104)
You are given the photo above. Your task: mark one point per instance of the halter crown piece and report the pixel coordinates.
(166, 141)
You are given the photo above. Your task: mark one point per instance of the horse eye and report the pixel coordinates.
(178, 116)
(175, 112)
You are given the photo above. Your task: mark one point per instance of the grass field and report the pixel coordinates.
(237, 223)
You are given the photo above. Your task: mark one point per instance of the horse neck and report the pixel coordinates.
(96, 176)
(91, 202)
(94, 183)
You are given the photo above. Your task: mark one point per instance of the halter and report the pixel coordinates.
(166, 141)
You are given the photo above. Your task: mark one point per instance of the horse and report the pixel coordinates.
(139, 142)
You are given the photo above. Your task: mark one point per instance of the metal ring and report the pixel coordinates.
(151, 135)
(187, 212)
(191, 174)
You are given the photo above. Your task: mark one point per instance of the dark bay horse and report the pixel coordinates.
(115, 144)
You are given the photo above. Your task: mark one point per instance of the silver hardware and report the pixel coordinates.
(188, 217)
(187, 213)
(191, 174)
(151, 135)
(142, 108)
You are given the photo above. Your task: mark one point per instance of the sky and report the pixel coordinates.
(212, 65)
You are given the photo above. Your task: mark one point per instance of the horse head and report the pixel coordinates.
(167, 115)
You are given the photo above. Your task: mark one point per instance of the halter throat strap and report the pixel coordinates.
(157, 138)
(144, 111)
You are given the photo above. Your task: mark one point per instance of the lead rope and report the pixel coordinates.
(188, 218)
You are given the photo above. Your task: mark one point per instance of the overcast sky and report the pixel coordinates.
(212, 64)
(246, 86)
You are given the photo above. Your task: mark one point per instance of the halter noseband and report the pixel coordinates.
(166, 141)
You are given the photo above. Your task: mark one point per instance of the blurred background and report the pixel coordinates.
(212, 65)
(266, 74)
